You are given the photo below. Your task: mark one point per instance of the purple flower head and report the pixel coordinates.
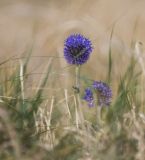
(104, 93)
(77, 49)
(89, 97)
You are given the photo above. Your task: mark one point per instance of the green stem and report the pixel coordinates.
(77, 78)
(79, 105)
(78, 102)
(99, 114)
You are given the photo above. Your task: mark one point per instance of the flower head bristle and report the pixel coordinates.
(89, 97)
(104, 93)
(77, 49)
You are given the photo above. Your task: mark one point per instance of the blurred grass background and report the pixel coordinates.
(45, 24)
(37, 104)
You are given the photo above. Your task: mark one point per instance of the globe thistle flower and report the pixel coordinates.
(89, 97)
(104, 93)
(77, 49)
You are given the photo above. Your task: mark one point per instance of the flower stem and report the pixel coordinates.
(77, 91)
(80, 121)
(77, 78)
(99, 120)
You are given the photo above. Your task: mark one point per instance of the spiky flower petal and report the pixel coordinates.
(77, 49)
(89, 97)
(104, 93)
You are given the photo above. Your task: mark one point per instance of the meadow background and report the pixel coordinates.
(38, 111)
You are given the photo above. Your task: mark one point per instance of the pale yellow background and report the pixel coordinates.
(44, 24)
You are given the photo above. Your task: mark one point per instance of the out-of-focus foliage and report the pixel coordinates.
(48, 124)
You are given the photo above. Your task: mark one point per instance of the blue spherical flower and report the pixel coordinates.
(89, 97)
(77, 49)
(104, 93)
